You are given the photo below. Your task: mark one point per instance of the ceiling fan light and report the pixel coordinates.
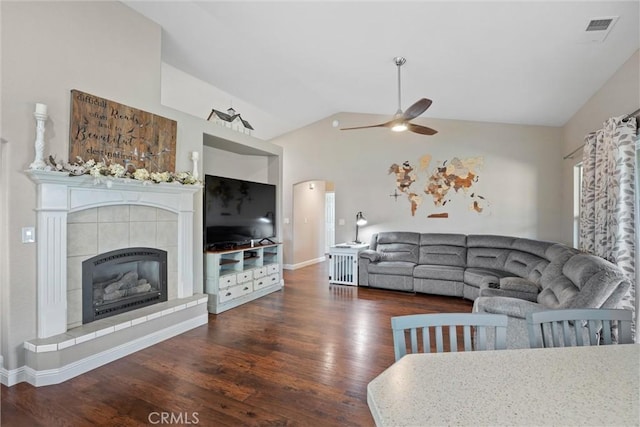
(400, 127)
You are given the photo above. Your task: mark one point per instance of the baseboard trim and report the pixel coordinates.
(12, 377)
(56, 376)
(304, 263)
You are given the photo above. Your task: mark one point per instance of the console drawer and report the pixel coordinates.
(235, 292)
(273, 268)
(245, 276)
(227, 280)
(260, 283)
(272, 279)
(259, 272)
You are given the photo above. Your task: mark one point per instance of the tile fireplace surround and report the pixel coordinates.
(64, 348)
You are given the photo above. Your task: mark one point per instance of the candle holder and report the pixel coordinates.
(41, 117)
(194, 157)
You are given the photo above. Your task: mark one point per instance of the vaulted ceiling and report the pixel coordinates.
(512, 62)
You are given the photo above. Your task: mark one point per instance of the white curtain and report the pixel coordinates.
(607, 214)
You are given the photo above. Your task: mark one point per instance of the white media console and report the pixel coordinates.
(236, 276)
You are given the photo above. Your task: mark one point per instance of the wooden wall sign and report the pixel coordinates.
(104, 130)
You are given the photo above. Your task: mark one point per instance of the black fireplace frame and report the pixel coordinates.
(119, 256)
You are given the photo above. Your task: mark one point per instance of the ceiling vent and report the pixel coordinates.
(598, 28)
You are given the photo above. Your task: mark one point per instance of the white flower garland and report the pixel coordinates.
(106, 169)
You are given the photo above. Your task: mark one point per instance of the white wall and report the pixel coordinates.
(231, 165)
(191, 95)
(520, 178)
(620, 95)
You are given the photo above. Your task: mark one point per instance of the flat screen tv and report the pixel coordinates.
(237, 212)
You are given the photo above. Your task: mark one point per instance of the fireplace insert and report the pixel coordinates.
(123, 280)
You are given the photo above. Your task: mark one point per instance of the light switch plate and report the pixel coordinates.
(28, 234)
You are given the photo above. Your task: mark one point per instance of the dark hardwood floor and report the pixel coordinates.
(302, 356)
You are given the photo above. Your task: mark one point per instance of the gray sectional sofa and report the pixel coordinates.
(501, 274)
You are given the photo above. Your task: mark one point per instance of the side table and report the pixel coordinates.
(343, 263)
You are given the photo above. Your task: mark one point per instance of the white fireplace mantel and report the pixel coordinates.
(59, 194)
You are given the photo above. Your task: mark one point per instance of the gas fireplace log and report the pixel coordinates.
(114, 279)
(121, 293)
(128, 281)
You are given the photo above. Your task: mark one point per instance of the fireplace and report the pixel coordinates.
(123, 280)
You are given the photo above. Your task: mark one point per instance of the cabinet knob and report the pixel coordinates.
(228, 293)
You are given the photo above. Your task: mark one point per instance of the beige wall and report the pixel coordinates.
(618, 96)
(307, 222)
(48, 49)
(520, 177)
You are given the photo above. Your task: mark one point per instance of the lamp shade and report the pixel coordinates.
(360, 219)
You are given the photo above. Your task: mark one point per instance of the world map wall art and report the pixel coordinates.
(450, 182)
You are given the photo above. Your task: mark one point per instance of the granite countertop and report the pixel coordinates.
(553, 386)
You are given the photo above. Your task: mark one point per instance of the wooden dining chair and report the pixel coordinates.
(450, 321)
(586, 326)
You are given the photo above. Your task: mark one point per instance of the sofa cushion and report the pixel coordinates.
(605, 289)
(475, 276)
(557, 255)
(372, 256)
(556, 293)
(519, 284)
(447, 239)
(397, 268)
(585, 281)
(397, 246)
(514, 287)
(523, 263)
(534, 247)
(438, 287)
(442, 272)
(400, 252)
(443, 249)
(489, 241)
(582, 267)
(386, 237)
(390, 281)
(492, 258)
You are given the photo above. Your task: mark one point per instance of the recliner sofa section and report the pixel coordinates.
(501, 274)
(450, 264)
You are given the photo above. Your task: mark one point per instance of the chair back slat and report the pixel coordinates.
(453, 338)
(566, 331)
(433, 323)
(481, 338)
(467, 337)
(426, 339)
(545, 327)
(414, 339)
(594, 331)
(439, 343)
(606, 332)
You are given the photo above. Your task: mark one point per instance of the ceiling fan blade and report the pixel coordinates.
(416, 109)
(365, 127)
(421, 129)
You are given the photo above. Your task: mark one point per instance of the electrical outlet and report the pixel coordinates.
(28, 234)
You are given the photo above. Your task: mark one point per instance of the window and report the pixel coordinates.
(577, 195)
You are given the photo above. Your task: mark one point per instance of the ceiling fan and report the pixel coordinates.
(401, 121)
